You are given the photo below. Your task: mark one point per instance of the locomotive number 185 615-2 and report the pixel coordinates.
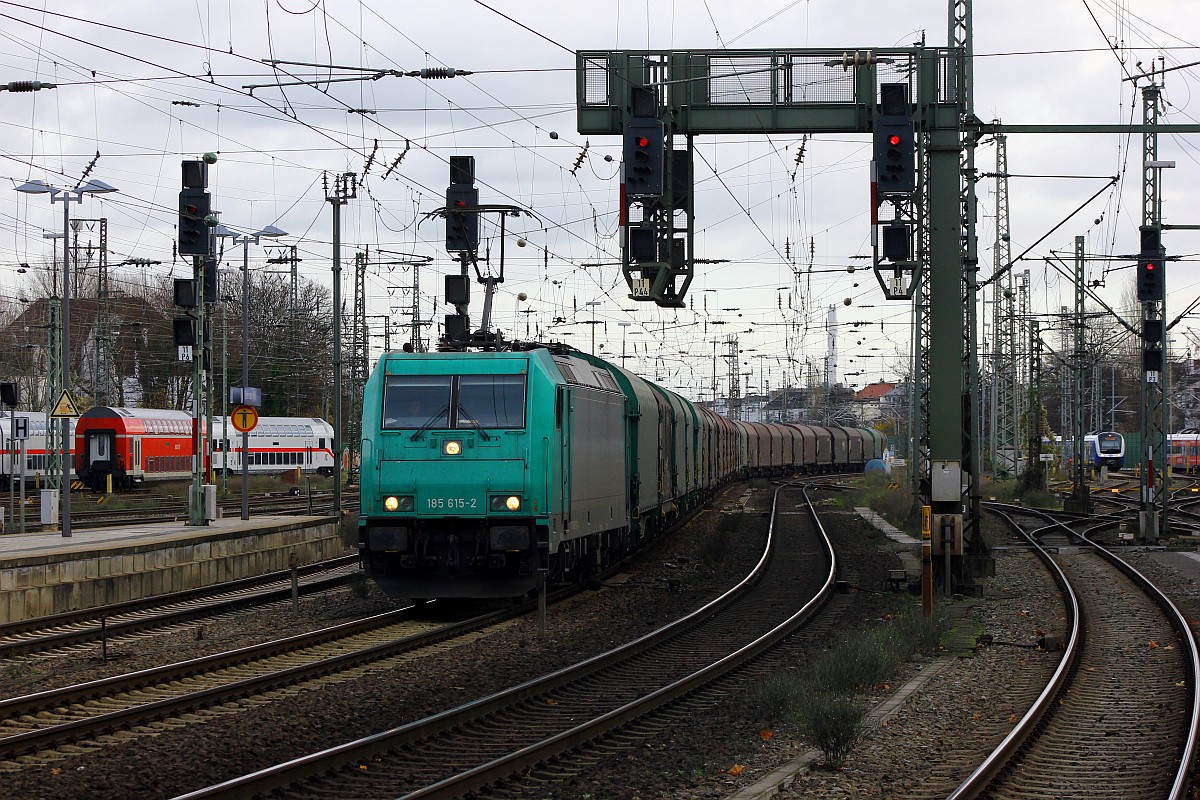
(451, 503)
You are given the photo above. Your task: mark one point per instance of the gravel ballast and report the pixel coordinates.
(964, 709)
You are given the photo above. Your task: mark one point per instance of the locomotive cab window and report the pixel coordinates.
(415, 401)
(490, 401)
(444, 402)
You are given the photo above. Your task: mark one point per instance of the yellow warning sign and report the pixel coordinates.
(65, 407)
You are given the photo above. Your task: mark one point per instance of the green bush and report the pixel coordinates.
(863, 661)
(822, 699)
(833, 722)
(893, 504)
(777, 697)
(868, 657)
(919, 632)
(1015, 491)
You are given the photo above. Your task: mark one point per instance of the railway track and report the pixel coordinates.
(548, 726)
(1119, 717)
(173, 511)
(83, 715)
(48, 636)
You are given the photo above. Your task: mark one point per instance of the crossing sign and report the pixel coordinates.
(244, 418)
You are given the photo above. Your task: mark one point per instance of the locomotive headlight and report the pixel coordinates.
(501, 502)
(452, 448)
(402, 502)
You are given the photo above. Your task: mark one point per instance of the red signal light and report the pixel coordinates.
(894, 140)
(642, 141)
(1149, 265)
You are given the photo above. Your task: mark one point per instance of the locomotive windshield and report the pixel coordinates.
(416, 401)
(491, 401)
(453, 401)
(1110, 443)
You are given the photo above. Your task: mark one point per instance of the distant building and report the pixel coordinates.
(140, 353)
(787, 405)
(878, 401)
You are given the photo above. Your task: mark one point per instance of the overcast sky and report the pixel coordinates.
(146, 84)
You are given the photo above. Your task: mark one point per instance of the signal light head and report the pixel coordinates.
(894, 139)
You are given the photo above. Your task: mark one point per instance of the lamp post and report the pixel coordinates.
(224, 382)
(245, 239)
(624, 327)
(592, 322)
(762, 387)
(66, 197)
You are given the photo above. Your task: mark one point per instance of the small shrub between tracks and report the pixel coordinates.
(833, 722)
(823, 700)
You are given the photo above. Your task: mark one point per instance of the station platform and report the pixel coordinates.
(44, 573)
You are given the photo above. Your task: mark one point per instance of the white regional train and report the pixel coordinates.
(276, 444)
(36, 458)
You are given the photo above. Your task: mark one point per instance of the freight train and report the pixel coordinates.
(481, 470)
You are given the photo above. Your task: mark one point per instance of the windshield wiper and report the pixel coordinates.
(429, 423)
(472, 423)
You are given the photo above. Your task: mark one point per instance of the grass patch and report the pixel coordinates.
(896, 505)
(824, 701)
(18, 668)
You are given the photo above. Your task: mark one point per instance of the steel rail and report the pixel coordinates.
(78, 693)
(79, 729)
(979, 780)
(288, 773)
(96, 614)
(1180, 785)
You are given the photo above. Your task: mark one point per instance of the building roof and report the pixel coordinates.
(873, 392)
